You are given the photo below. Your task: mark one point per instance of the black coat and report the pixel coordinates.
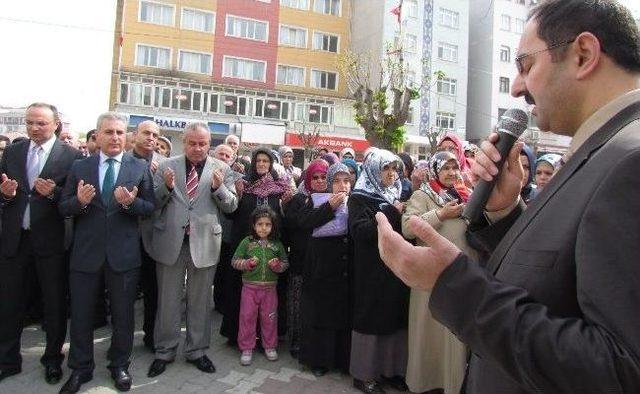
(381, 300)
(300, 219)
(47, 224)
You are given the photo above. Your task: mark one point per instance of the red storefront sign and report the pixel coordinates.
(330, 142)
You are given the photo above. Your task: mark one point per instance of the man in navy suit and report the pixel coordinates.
(33, 173)
(106, 194)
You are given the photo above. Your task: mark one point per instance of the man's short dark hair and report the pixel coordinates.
(54, 110)
(91, 134)
(563, 20)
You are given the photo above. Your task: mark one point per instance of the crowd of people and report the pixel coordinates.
(365, 267)
(280, 251)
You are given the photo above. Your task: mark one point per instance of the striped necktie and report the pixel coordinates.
(192, 183)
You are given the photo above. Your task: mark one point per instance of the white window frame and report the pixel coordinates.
(322, 13)
(450, 48)
(449, 116)
(449, 82)
(226, 27)
(508, 86)
(411, 5)
(173, 14)
(180, 51)
(297, 8)
(224, 68)
(324, 71)
(139, 44)
(213, 14)
(327, 34)
(447, 15)
(304, 74)
(294, 27)
(504, 18)
(505, 49)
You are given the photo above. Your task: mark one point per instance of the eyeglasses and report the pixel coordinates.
(39, 123)
(521, 57)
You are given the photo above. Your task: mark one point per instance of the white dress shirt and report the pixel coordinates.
(46, 148)
(102, 169)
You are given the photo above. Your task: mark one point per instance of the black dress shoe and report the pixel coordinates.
(319, 371)
(121, 378)
(204, 364)
(9, 371)
(368, 387)
(52, 373)
(396, 382)
(74, 382)
(157, 367)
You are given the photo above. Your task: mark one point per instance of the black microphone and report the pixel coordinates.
(510, 127)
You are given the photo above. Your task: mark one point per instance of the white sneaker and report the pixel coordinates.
(246, 357)
(272, 354)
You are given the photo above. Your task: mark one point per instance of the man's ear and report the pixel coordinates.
(588, 54)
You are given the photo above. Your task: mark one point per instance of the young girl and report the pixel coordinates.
(260, 257)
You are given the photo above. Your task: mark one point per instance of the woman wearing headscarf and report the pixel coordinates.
(326, 322)
(380, 308)
(452, 143)
(405, 176)
(261, 186)
(300, 219)
(354, 169)
(286, 155)
(546, 167)
(347, 153)
(528, 161)
(436, 358)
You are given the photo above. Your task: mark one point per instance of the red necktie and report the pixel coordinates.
(192, 187)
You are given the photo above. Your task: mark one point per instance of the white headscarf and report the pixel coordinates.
(370, 181)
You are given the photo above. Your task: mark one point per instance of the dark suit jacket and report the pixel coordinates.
(47, 225)
(562, 314)
(107, 233)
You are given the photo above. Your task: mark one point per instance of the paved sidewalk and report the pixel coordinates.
(263, 376)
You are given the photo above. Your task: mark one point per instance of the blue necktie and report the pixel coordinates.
(108, 183)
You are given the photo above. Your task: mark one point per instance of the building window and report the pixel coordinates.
(198, 20)
(293, 36)
(449, 18)
(135, 94)
(505, 54)
(314, 113)
(411, 43)
(325, 42)
(329, 7)
(271, 109)
(445, 120)
(324, 80)
(518, 26)
(411, 7)
(156, 13)
(233, 105)
(299, 4)
(247, 28)
(149, 56)
(504, 85)
(505, 23)
(447, 86)
(410, 116)
(290, 75)
(447, 52)
(251, 70)
(195, 62)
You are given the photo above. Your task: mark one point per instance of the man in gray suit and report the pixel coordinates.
(557, 309)
(191, 191)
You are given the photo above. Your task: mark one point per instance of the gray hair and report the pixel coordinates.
(194, 126)
(226, 140)
(112, 116)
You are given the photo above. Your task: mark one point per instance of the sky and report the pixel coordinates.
(60, 51)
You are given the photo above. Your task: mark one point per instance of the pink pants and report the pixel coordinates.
(262, 300)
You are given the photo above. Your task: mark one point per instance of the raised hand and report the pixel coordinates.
(169, 178)
(45, 187)
(125, 197)
(337, 199)
(274, 264)
(508, 185)
(417, 266)
(8, 187)
(217, 179)
(85, 193)
(154, 166)
(251, 264)
(450, 210)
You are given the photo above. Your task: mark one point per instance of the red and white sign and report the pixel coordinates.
(329, 142)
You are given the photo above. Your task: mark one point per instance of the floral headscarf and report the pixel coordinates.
(333, 171)
(348, 150)
(554, 160)
(352, 163)
(433, 187)
(370, 182)
(268, 184)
